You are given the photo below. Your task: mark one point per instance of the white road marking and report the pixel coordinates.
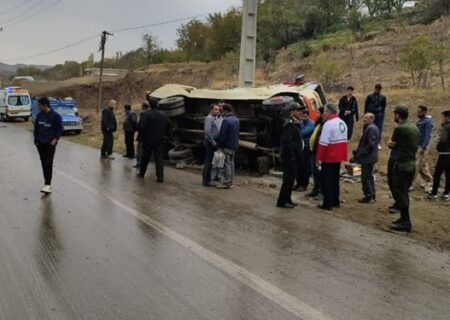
(280, 297)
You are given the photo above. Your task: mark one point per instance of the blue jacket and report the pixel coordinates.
(307, 129)
(47, 126)
(229, 133)
(425, 126)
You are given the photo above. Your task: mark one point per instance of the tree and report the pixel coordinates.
(327, 69)
(150, 46)
(417, 59)
(224, 33)
(440, 53)
(192, 39)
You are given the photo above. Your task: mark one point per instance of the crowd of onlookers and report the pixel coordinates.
(308, 149)
(319, 149)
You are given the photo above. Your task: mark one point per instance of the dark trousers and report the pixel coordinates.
(350, 124)
(368, 181)
(304, 168)
(157, 152)
(442, 166)
(129, 143)
(379, 122)
(390, 175)
(402, 180)
(108, 142)
(47, 154)
(207, 165)
(330, 184)
(140, 151)
(289, 174)
(316, 175)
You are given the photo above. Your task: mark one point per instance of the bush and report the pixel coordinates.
(327, 69)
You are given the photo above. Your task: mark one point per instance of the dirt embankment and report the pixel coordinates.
(431, 219)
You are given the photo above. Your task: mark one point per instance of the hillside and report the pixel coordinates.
(8, 69)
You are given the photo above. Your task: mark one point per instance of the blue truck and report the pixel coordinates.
(68, 110)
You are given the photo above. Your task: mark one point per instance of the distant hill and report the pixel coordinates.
(8, 69)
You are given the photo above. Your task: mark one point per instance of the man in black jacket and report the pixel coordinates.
(443, 163)
(140, 150)
(109, 126)
(153, 129)
(291, 145)
(349, 110)
(367, 156)
(129, 128)
(376, 104)
(48, 128)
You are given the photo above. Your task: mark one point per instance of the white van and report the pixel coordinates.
(15, 103)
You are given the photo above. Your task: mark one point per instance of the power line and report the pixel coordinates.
(98, 34)
(159, 23)
(33, 14)
(25, 11)
(55, 50)
(14, 8)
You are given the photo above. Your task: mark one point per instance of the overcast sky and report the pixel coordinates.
(71, 20)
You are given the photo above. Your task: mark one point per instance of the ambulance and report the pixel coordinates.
(15, 103)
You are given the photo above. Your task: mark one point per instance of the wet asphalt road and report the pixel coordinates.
(106, 245)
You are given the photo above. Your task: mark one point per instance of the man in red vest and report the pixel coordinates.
(332, 150)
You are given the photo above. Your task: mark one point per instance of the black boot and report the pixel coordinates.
(404, 224)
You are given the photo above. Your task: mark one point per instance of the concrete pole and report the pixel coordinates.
(247, 67)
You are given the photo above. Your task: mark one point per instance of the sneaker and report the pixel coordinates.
(445, 197)
(111, 158)
(431, 196)
(47, 189)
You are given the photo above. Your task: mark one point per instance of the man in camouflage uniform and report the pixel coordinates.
(404, 142)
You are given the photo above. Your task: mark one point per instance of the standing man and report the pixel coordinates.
(405, 141)
(213, 122)
(367, 156)
(306, 126)
(291, 145)
(425, 126)
(228, 141)
(376, 104)
(129, 128)
(314, 143)
(443, 162)
(48, 129)
(109, 126)
(145, 106)
(332, 150)
(154, 128)
(349, 110)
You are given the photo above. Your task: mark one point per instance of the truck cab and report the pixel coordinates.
(15, 103)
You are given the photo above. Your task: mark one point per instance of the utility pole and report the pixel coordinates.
(103, 39)
(247, 66)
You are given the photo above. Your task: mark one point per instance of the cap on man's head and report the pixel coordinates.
(378, 86)
(401, 109)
